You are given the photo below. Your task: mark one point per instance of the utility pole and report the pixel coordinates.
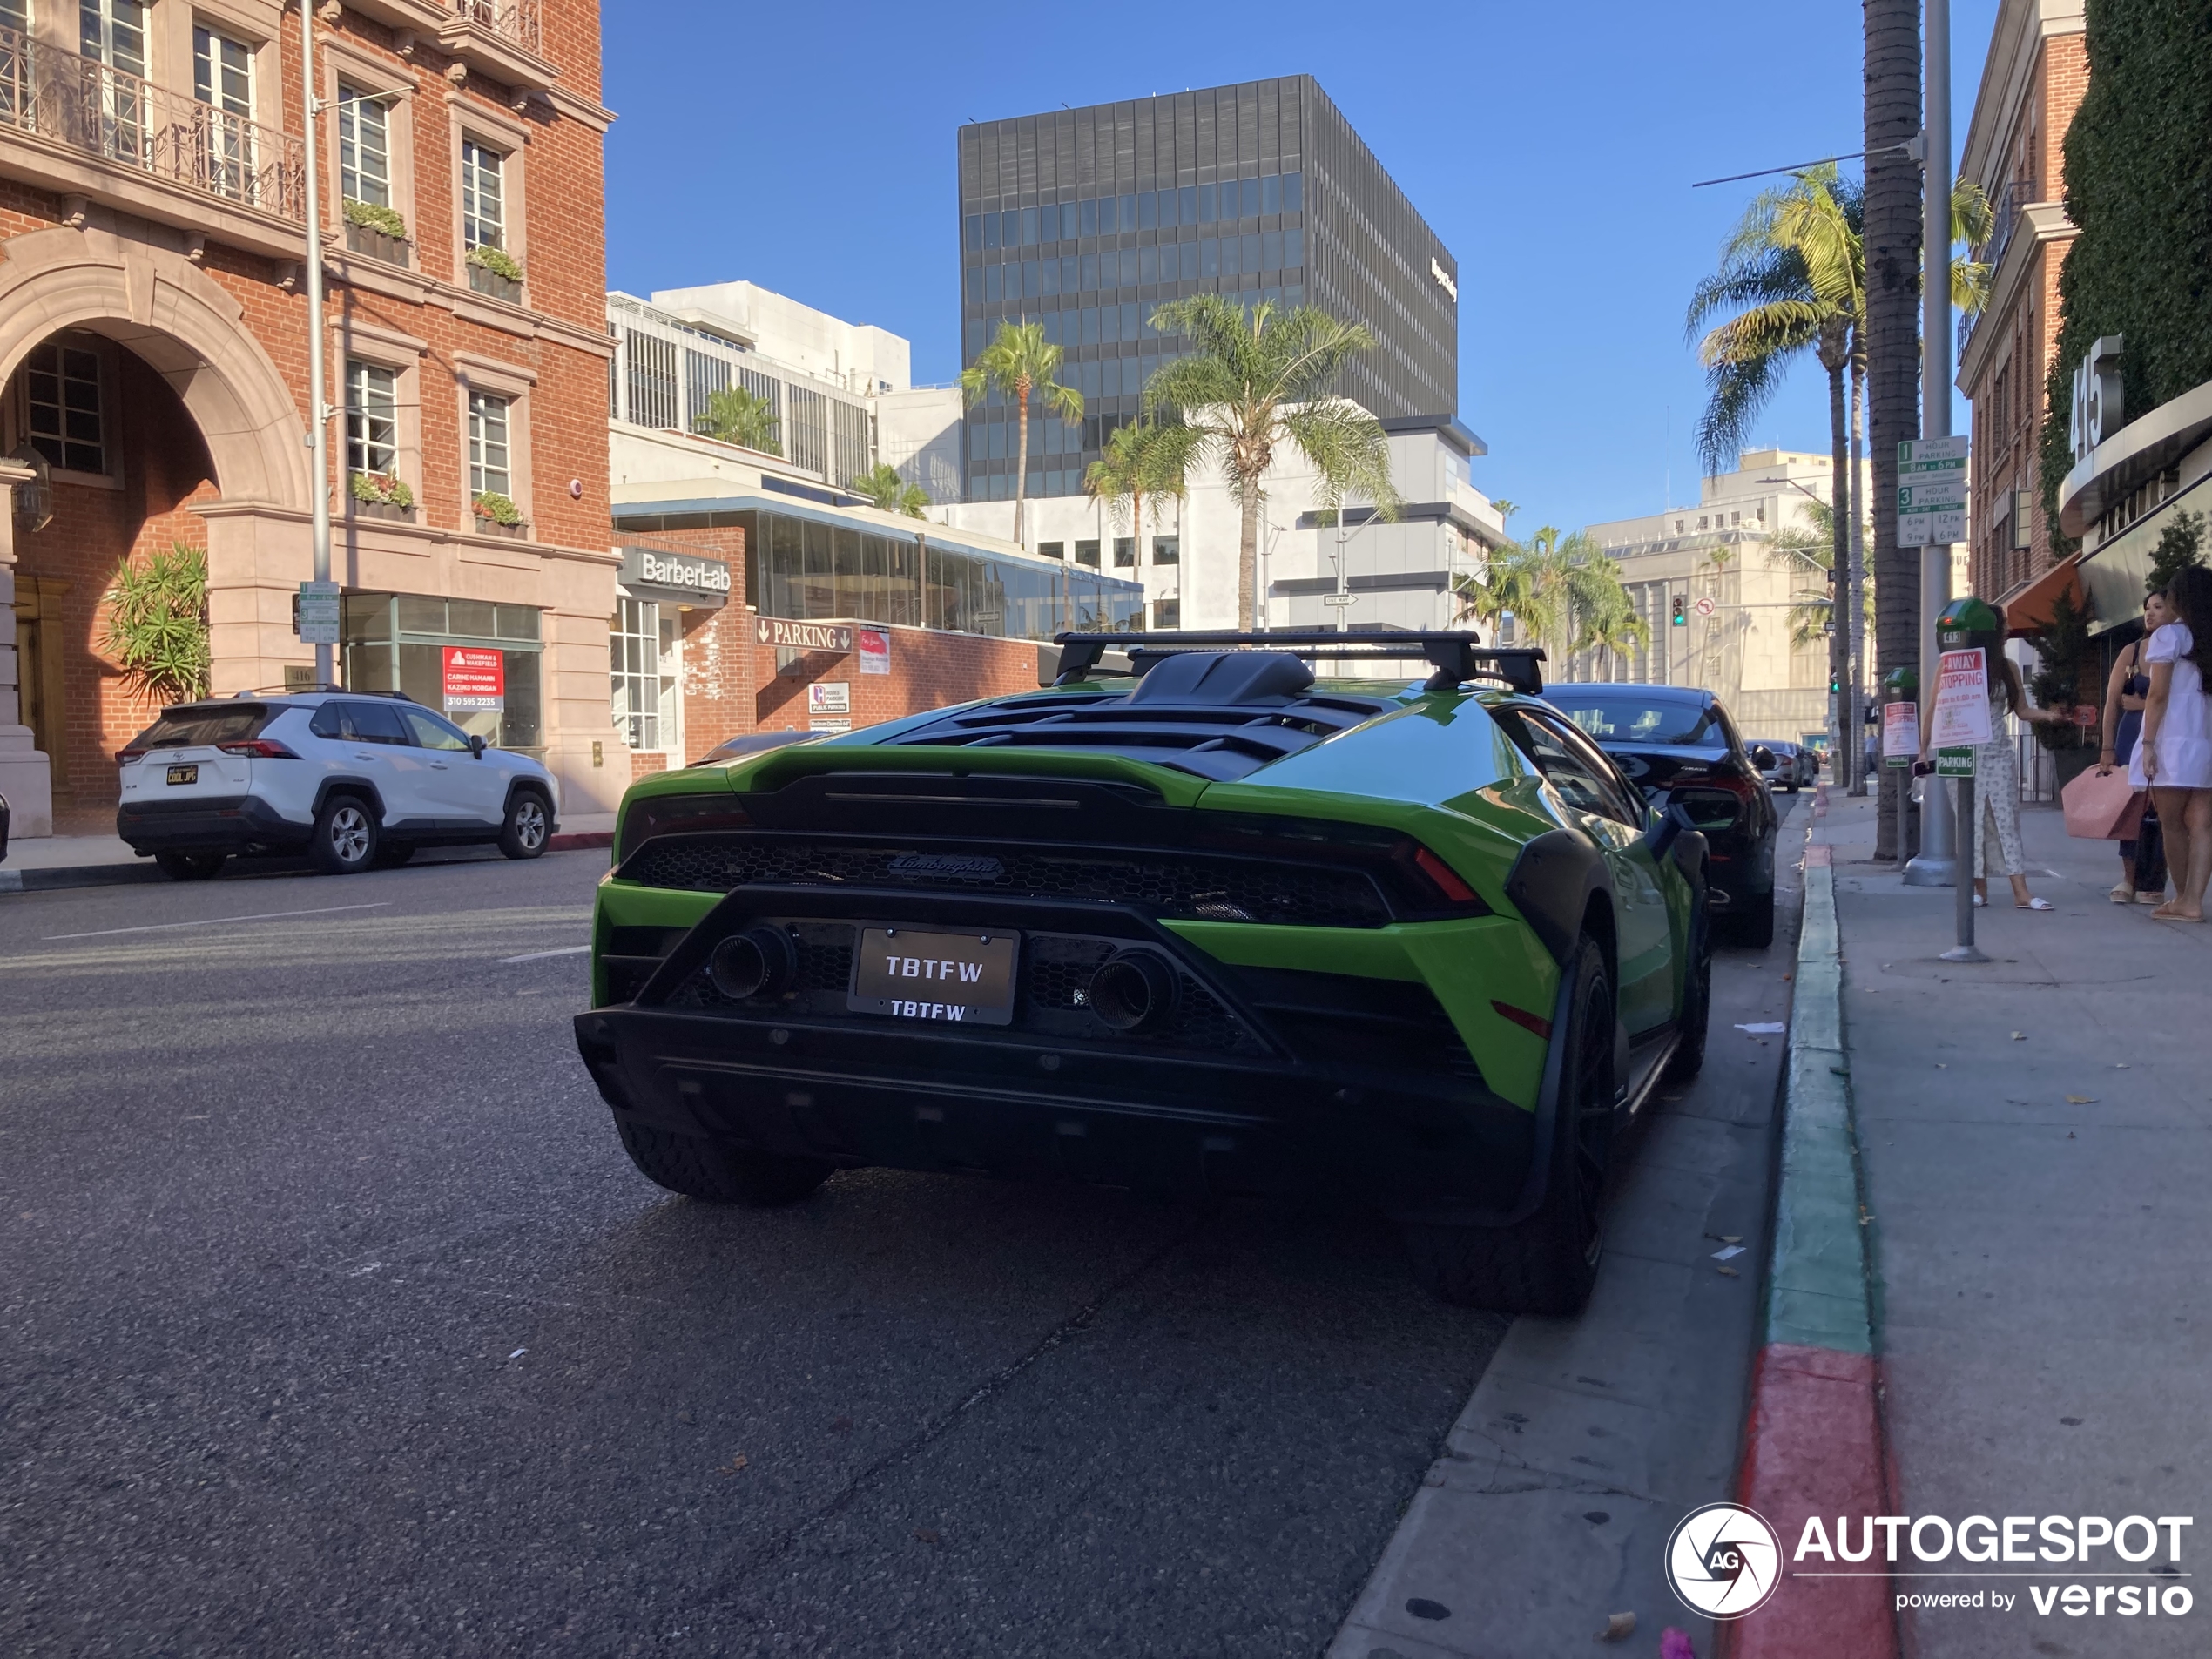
(1937, 864)
(1893, 236)
(318, 401)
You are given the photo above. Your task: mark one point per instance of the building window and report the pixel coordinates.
(364, 147)
(483, 214)
(222, 78)
(1052, 550)
(114, 32)
(1167, 550)
(63, 389)
(1086, 553)
(490, 470)
(1167, 613)
(1124, 552)
(640, 638)
(372, 417)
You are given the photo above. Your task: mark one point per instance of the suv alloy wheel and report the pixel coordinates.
(344, 836)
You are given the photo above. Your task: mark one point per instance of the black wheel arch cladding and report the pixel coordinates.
(1552, 883)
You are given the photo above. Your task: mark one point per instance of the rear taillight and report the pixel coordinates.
(125, 757)
(1444, 877)
(258, 749)
(678, 815)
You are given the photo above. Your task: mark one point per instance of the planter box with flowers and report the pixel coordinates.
(381, 495)
(498, 515)
(380, 233)
(493, 270)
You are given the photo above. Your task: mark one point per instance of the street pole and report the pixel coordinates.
(1937, 865)
(318, 402)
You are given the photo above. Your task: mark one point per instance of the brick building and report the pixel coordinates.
(153, 350)
(2031, 86)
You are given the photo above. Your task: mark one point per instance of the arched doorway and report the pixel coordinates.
(132, 374)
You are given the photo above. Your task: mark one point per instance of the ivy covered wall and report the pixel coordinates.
(2139, 186)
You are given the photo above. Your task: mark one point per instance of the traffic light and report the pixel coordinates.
(1682, 611)
(1834, 684)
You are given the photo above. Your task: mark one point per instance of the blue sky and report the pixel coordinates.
(1553, 147)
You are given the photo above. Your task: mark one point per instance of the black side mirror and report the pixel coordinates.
(1762, 758)
(476, 745)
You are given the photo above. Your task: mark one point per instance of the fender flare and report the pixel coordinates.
(1551, 884)
(360, 787)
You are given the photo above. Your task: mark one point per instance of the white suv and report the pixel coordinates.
(352, 779)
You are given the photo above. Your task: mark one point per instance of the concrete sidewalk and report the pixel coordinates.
(35, 864)
(2033, 1137)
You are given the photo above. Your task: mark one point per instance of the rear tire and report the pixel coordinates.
(1546, 1263)
(528, 826)
(190, 867)
(345, 836)
(1754, 924)
(716, 1174)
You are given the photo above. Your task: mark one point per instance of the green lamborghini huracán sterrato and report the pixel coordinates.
(1207, 925)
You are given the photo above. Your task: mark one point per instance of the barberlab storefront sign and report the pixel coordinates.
(676, 578)
(803, 636)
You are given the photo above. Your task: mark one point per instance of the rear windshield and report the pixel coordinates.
(197, 728)
(1623, 717)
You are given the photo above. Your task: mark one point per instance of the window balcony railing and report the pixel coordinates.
(2010, 206)
(82, 104)
(516, 20)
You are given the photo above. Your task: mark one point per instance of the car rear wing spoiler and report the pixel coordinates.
(1457, 656)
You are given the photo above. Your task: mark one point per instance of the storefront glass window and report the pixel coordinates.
(394, 642)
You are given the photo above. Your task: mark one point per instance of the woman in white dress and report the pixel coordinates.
(2174, 760)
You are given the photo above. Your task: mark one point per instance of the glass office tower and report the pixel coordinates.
(1086, 220)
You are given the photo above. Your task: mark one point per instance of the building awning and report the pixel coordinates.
(2139, 451)
(2116, 573)
(2029, 612)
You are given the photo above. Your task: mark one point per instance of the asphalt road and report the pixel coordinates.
(334, 1320)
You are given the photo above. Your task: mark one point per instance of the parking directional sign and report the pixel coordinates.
(1931, 492)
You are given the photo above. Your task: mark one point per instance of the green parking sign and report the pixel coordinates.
(1955, 763)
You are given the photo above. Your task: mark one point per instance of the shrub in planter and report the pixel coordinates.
(370, 216)
(386, 489)
(497, 260)
(499, 509)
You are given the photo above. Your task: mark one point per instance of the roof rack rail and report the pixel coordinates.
(297, 691)
(1458, 656)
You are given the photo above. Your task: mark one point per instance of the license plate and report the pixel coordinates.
(963, 978)
(184, 774)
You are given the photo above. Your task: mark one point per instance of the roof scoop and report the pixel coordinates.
(1219, 677)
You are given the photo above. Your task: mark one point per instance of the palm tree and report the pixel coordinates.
(1561, 590)
(735, 416)
(1255, 382)
(1797, 267)
(1141, 458)
(1021, 363)
(882, 485)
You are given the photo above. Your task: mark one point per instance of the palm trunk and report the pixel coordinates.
(1856, 587)
(1892, 239)
(1247, 552)
(1839, 564)
(1021, 462)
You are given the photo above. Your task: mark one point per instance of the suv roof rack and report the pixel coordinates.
(1459, 656)
(302, 690)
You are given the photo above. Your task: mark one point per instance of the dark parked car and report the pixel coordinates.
(1679, 746)
(1794, 765)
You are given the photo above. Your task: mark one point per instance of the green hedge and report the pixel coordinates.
(2139, 186)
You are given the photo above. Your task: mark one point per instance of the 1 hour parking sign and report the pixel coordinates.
(1931, 492)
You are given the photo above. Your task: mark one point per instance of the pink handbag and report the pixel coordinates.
(2102, 809)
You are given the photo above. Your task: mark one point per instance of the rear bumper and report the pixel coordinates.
(209, 824)
(1019, 1102)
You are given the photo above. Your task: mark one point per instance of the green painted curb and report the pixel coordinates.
(1817, 1276)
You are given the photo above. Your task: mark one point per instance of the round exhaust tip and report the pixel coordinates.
(757, 962)
(1133, 991)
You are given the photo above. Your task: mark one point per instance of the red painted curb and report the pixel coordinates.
(1813, 1446)
(580, 840)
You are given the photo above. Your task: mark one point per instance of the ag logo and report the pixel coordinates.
(1723, 1560)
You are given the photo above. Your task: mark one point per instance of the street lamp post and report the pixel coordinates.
(318, 402)
(1937, 864)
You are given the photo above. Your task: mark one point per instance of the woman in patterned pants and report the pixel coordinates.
(1996, 785)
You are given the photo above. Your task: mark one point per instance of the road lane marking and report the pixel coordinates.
(540, 955)
(214, 922)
